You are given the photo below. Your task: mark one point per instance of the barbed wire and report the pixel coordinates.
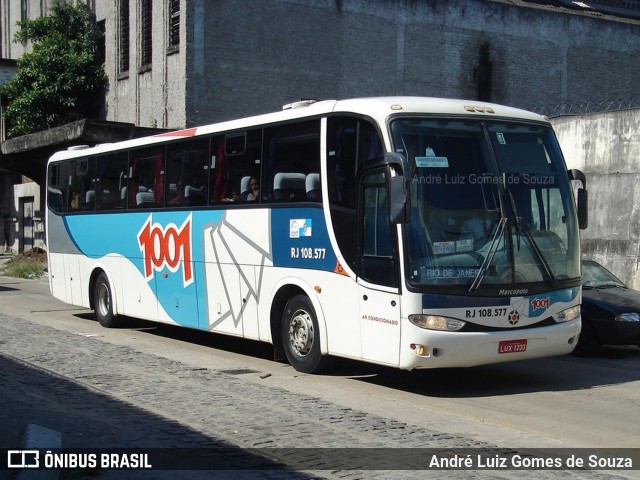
(587, 106)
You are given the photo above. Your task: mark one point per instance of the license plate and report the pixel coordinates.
(512, 346)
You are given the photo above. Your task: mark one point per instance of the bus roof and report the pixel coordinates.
(378, 108)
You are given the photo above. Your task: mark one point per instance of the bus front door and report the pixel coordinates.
(377, 275)
(379, 324)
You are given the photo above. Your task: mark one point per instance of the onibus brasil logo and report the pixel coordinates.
(166, 247)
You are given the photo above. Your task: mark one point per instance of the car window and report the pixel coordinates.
(595, 275)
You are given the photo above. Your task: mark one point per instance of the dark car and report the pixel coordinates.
(610, 310)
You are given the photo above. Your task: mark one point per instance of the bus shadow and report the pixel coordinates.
(8, 289)
(610, 366)
(218, 341)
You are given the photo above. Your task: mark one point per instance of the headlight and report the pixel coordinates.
(567, 315)
(628, 317)
(436, 322)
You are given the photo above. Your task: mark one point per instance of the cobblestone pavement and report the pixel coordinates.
(102, 395)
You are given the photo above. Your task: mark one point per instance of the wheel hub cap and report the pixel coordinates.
(301, 332)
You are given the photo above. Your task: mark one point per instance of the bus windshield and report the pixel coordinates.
(491, 206)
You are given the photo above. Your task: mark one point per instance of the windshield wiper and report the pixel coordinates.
(493, 248)
(522, 226)
(518, 218)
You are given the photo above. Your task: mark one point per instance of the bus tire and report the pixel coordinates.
(103, 302)
(301, 335)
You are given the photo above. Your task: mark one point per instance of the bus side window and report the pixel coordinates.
(187, 173)
(352, 143)
(56, 189)
(243, 156)
(376, 261)
(111, 179)
(145, 188)
(292, 154)
(81, 187)
(219, 189)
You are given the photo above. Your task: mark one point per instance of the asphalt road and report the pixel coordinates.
(180, 380)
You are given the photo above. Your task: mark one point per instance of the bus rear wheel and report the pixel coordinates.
(103, 302)
(301, 336)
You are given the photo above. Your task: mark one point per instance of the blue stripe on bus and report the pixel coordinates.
(101, 235)
(537, 304)
(300, 239)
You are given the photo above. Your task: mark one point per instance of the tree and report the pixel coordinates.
(62, 80)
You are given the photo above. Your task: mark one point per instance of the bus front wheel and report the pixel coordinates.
(301, 337)
(103, 302)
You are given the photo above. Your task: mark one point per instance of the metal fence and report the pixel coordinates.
(585, 107)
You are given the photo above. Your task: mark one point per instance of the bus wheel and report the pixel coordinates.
(103, 302)
(300, 335)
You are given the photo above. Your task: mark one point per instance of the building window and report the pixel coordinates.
(101, 51)
(174, 25)
(124, 36)
(145, 33)
(24, 10)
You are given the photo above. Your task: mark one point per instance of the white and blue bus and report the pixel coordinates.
(403, 231)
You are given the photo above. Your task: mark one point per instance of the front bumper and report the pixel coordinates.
(467, 349)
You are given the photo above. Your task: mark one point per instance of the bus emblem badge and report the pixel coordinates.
(514, 317)
(166, 247)
(538, 303)
(300, 227)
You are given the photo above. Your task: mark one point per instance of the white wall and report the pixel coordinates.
(606, 147)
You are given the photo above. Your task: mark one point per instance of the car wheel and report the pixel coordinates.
(588, 343)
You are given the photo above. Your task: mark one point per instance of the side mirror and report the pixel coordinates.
(583, 197)
(583, 208)
(398, 208)
(398, 196)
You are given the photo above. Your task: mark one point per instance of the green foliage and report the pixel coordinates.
(24, 267)
(62, 79)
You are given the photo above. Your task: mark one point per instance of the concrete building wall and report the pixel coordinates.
(152, 96)
(243, 58)
(256, 56)
(606, 147)
(12, 12)
(22, 222)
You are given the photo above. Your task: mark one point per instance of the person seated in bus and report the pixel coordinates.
(194, 195)
(254, 190)
(233, 197)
